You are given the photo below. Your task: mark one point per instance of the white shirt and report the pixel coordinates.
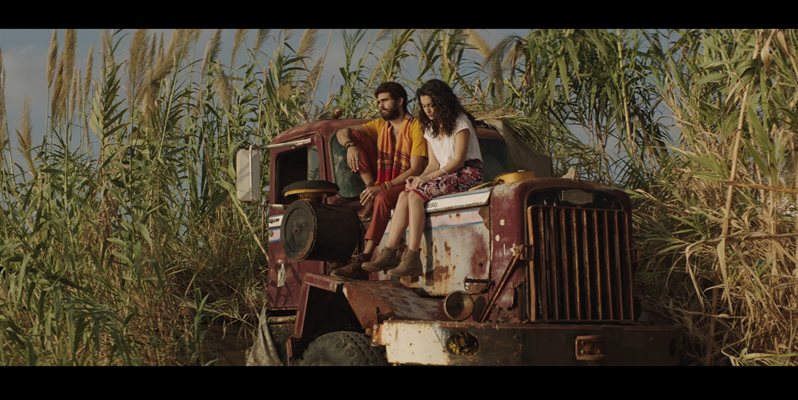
(443, 145)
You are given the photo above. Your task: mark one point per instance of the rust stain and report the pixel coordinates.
(377, 301)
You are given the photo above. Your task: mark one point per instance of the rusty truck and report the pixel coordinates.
(527, 269)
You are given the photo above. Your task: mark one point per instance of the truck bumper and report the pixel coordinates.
(457, 343)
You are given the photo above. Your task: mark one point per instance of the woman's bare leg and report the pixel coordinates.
(398, 221)
(416, 220)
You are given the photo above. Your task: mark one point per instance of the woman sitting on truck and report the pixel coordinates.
(455, 165)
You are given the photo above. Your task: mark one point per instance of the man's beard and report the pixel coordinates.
(390, 114)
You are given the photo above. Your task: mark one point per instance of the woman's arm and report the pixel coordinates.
(432, 166)
(433, 161)
(461, 139)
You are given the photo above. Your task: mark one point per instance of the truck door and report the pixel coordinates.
(291, 163)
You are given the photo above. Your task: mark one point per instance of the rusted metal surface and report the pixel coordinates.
(455, 247)
(591, 281)
(507, 230)
(322, 309)
(327, 282)
(284, 277)
(457, 343)
(590, 348)
(374, 302)
(550, 231)
(519, 250)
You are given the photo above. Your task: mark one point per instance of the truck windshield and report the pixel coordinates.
(495, 159)
(301, 164)
(348, 182)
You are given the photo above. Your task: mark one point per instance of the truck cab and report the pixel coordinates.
(527, 269)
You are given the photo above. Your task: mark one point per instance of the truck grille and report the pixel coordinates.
(580, 267)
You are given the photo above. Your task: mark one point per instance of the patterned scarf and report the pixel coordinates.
(393, 158)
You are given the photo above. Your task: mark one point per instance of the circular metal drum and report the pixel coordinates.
(314, 231)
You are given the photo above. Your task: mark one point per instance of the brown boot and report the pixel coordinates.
(353, 270)
(410, 265)
(333, 265)
(387, 259)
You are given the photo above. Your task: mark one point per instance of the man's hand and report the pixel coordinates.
(353, 155)
(368, 194)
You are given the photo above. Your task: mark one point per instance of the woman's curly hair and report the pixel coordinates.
(447, 107)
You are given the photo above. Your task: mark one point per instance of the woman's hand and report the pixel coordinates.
(409, 182)
(415, 181)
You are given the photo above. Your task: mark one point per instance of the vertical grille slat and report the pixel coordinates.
(588, 265)
(610, 301)
(597, 261)
(627, 276)
(580, 264)
(542, 281)
(574, 247)
(531, 280)
(564, 265)
(617, 270)
(553, 267)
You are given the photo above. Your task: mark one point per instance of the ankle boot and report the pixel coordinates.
(386, 260)
(353, 270)
(410, 265)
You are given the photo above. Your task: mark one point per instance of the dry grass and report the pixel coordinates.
(24, 136)
(3, 115)
(52, 57)
(122, 257)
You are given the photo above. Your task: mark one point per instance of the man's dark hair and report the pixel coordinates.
(396, 91)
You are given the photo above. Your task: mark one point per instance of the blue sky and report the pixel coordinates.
(25, 61)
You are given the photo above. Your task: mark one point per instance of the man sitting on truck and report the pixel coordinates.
(401, 153)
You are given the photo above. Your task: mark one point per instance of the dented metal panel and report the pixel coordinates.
(457, 343)
(507, 225)
(374, 302)
(454, 247)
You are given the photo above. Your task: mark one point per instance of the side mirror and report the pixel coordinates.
(248, 174)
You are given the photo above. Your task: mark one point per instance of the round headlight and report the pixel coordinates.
(458, 305)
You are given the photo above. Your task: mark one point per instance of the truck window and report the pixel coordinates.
(349, 182)
(300, 164)
(495, 159)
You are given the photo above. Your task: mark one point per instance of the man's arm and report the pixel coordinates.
(417, 164)
(344, 135)
(353, 154)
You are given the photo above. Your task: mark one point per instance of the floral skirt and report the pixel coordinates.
(458, 181)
